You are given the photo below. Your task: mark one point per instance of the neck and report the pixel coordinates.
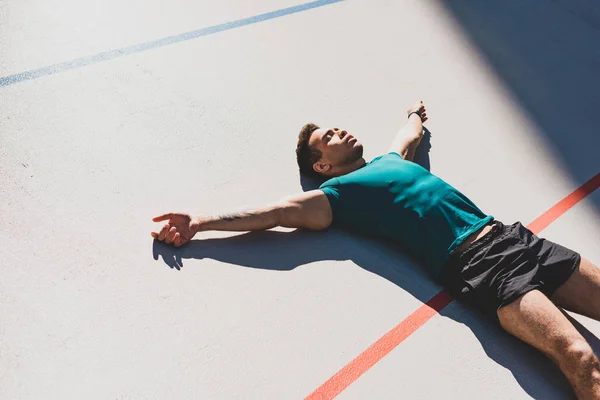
(346, 169)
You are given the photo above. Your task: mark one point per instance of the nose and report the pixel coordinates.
(342, 134)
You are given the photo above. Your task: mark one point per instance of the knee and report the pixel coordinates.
(578, 354)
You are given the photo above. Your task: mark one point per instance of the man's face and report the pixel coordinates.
(338, 147)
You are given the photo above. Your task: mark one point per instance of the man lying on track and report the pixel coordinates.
(503, 270)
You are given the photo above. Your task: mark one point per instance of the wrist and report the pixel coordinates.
(417, 113)
(414, 126)
(201, 223)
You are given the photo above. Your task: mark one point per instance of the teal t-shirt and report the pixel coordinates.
(399, 200)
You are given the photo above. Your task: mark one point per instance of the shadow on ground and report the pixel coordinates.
(547, 53)
(281, 251)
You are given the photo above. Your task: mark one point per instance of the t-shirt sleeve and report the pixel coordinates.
(333, 193)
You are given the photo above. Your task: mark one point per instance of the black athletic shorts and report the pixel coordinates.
(504, 264)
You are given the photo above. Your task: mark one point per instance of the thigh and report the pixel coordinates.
(581, 292)
(534, 319)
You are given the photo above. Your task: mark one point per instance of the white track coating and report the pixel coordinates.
(209, 125)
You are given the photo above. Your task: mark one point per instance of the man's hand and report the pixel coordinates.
(180, 229)
(419, 107)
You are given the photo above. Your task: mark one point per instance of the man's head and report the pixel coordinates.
(326, 153)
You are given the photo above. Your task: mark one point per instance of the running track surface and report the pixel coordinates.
(388, 342)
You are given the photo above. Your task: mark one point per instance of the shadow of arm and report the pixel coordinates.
(271, 250)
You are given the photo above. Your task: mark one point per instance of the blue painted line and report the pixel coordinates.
(125, 51)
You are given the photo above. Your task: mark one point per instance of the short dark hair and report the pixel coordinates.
(306, 155)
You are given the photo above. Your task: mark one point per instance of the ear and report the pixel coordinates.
(321, 167)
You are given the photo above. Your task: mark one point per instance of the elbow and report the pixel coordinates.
(279, 214)
(409, 154)
(287, 214)
(416, 137)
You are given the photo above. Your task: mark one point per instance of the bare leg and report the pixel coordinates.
(534, 319)
(581, 292)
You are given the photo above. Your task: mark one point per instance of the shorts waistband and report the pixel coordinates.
(498, 230)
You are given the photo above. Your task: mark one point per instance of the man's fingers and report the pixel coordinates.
(162, 217)
(177, 241)
(163, 232)
(171, 235)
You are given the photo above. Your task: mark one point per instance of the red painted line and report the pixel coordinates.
(380, 348)
(353, 370)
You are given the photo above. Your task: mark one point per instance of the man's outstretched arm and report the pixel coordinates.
(409, 137)
(310, 210)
